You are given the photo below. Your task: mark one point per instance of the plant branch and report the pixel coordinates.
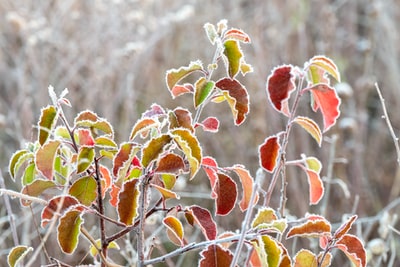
(9, 211)
(245, 224)
(100, 204)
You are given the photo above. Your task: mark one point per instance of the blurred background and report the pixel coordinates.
(113, 55)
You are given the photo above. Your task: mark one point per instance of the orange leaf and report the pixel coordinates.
(142, 125)
(165, 192)
(68, 230)
(269, 152)
(344, 228)
(36, 188)
(211, 168)
(226, 192)
(354, 249)
(173, 76)
(237, 34)
(215, 256)
(123, 160)
(45, 157)
(280, 84)
(305, 258)
(170, 163)
(180, 118)
(127, 202)
(313, 227)
(204, 220)
(247, 184)
(58, 205)
(176, 228)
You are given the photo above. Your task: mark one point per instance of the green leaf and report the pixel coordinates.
(47, 121)
(272, 250)
(94, 252)
(17, 254)
(326, 64)
(233, 55)
(68, 230)
(17, 159)
(128, 202)
(190, 146)
(311, 127)
(85, 158)
(45, 158)
(85, 190)
(267, 219)
(238, 99)
(105, 142)
(154, 148)
(29, 174)
(203, 89)
(36, 188)
(173, 76)
(89, 119)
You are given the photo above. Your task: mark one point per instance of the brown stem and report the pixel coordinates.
(104, 243)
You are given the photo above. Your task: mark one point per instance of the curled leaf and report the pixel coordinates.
(173, 76)
(56, 206)
(344, 228)
(233, 56)
(128, 202)
(325, 64)
(248, 186)
(315, 226)
(236, 34)
(354, 249)
(142, 125)
(237, 97)
(203, 89)
(175, 228)
(47, 122)
(68, 230)
(280, 84)
(17, 254)
(86, 156)
(36, 188)
(154, 148)
(311, 127)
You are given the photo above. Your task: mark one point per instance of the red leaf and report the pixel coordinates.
(170, 163)
(326, 99)
(315, 185)
(205, 221)
(58, 205)
(226, 191)
(114, 195)
(269, 152)
(344, 228)
(210, 124)
(85, 137)
(123, 160)
(237, 34)
(178, 89)
(180, 118)
(215, 256)
(45, 157)
(354, 249)
(211, 168)
(280, 84)
(105, 180)
(240, 107)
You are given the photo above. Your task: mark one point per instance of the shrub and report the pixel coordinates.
(76, 171)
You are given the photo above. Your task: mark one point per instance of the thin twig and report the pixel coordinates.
(329, 174)
(245, 224)
(9, 211)
(19, 195)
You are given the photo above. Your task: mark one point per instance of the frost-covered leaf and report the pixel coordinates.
(248, 186)
(211, 32)
(86, 156)
(266, 218)
(210, 166)
(123, 160)
(106, 180)
(91, 120)
(128, 202)
(105, 142)
(17, 254)
(203, 89)
(305, 258)
(237, 97)
(316, 187)
(190, 146)
(311, 127)
(141, 125)
(56, 206)
(85, 190)
(173, 76)
(170, 163)
(233, 56)
(85, 137)
(210, 124)
(203, 218)
(325, 64)
(29, 174)
(226, 192)
(47, 121)
(180, 117)
(215, 256)
(344, 228)
(280, 84)
(236, 34)
(272, 250)
(269, 152)
(154, 148)
(181, 89)
(315, 226)
(175, 228)
(45, 158)
(354, 249)
(94, 252)
(17, 160)
(36, 188)
(68, 230)
(326, 99)
(166, 193)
